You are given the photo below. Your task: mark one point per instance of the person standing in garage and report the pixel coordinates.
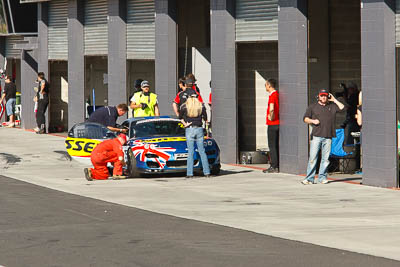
(273, 125)
(105, 152)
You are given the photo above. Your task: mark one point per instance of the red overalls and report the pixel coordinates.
(107, 151)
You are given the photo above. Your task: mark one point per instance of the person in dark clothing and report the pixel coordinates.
(108, 116)
(350, 124)
(321, 116)
(136, 88)
(182, 96)
(192, 115)
(181, 84)
(194, 85)
(42, 98)
(10, 95)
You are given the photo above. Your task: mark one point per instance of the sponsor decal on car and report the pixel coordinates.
(141, 150)
(164, 139)
(80, 147)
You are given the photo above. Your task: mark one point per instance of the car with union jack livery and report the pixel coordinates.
(155, 145)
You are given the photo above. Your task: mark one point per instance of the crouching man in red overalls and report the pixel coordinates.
(107, 151)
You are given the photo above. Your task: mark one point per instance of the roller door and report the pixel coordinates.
(140, 29)
(11, 52)
(256, 20)
(58, 30)
(95, 27)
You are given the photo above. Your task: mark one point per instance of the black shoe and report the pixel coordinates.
(208, 176)
(88, 174)
(271, 170)
(189, 177)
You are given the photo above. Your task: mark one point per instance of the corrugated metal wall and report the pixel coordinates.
(96, 28)
(140, 29)
(10, 50)
(58, 30)
(256, 20)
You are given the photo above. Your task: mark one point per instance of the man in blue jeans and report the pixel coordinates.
(321, 116)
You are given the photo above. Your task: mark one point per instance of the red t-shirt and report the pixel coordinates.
(274, 99)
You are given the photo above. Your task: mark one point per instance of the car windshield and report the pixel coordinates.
(158, 128)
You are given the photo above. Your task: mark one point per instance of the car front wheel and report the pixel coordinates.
(133, 172)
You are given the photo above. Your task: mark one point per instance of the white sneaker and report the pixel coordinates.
(36, 129)
(11, 125)
(325, 182)
(306, 182)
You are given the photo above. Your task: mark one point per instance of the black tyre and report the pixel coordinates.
(215, 170)
(133, 172)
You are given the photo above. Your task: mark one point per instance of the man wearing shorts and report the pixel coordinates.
(9, 93)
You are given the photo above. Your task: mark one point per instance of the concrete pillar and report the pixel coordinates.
(378, 75)
(76, 63)
(43, 54)
(117, 52)
(166, 54)
(223, 77)
(29, 67)
(293, 85)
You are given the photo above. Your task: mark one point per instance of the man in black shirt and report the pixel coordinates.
(108, 116)
(9, 93)
(321, 116)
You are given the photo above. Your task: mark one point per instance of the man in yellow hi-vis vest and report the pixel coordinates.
(144, 103)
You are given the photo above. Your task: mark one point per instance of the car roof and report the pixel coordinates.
(147, 118)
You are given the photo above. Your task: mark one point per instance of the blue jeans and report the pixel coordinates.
(317, 144)
(196, 134)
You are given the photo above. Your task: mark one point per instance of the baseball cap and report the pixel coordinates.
(323, 92)
(189, 81)
(123, 136)
(145, 84)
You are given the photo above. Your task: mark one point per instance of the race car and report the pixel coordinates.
(155, 145)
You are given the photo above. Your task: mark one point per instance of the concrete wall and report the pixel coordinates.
(29, 75)
(166, 53)
(293, 85)
(223, 75)
(59, 95)
(95, 69)
(256, 63)
(380, 158)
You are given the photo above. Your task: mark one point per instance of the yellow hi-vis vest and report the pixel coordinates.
(150, 100)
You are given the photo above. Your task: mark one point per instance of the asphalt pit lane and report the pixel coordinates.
(135, 241)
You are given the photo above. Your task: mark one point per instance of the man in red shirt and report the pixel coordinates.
(273, 125)
(107, 151)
